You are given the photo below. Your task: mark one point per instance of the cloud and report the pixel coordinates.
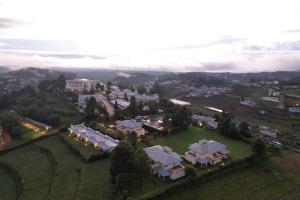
(244, 62)
(292, 31)
(276, 46)
(224, 40)
(10, 23)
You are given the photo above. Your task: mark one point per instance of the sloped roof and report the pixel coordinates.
(204, 146)
(131, 123)
(162, 155)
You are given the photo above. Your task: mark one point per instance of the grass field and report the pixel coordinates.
(265, 182)
(179, 142)
(7, 185)
(49, 170)
(29, 134)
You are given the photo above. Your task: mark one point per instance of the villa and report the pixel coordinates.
(179, 102)
(206, 153)
(97, 139)
(130, 126)
(165, 162)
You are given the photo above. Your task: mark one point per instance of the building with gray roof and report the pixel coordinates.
(165, 162)
(206, 152)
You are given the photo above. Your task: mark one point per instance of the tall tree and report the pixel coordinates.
(259, 148)
(244, 129)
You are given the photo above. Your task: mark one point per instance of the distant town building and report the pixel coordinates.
(205, 121)
(122, 104)
(248, 103)
(165, 162)
(294, 109)
(179, 102)
(79, 85)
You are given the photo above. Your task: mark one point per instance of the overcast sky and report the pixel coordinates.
(212, 35)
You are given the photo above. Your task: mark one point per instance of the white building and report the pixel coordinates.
(79, 85)
(206, 152)
(180, 103)
(122, 104)
(130, 126)
(165, 162)
(97, 139)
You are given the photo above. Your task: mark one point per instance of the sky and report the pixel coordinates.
(169, 35)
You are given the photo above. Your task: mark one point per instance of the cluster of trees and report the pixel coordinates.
(93, 112)
(228, 128)
(129, 167)
(10, 122)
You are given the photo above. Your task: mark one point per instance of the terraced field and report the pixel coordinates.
(7, 185)
(49, 170)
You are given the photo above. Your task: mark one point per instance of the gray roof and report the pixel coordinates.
(204, 146)
(163, 155)
(131, 124)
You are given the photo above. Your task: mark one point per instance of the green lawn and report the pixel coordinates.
(29, 134)
(7, 185)
(180, 142)
(274, 179)
(49, 170)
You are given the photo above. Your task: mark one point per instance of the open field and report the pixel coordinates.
(49, 170)
(265, 182)
(179, 142)
(7, 185)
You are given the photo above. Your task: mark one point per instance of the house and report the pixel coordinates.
(82, 99)
(267, 131)
(165, 162)
(37, 124)
(79, 85)
(90, 136)
(205, 121)
(206, 152)
(130, 126)
(154, 122)
(179, 102)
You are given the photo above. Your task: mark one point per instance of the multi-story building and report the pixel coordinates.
(206, 153)
(130, 126)
(79, 85)
(165, 162)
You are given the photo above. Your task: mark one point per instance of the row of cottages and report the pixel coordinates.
(130, 126)
(206, 153)
(208, 122)
(97, 139)
(37, 124)
(165, 162)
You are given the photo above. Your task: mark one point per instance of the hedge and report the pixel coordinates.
(86, 154)
(182, 184)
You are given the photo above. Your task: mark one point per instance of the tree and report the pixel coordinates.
(125, 97)
(142, 167)
(10, 122)
(156, 89)
(116, 106)
(181, 118)
(141, 89)
(90, 110)
(233, 132)
(132, 109)
(122, 160)
(190, 171)
(54, 120)
(225, 124)
(259, 148)
(244, 129)
(60, 82)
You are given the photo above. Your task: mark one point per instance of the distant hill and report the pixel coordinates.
(137, 78)
(37, 73)
(4, 70)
